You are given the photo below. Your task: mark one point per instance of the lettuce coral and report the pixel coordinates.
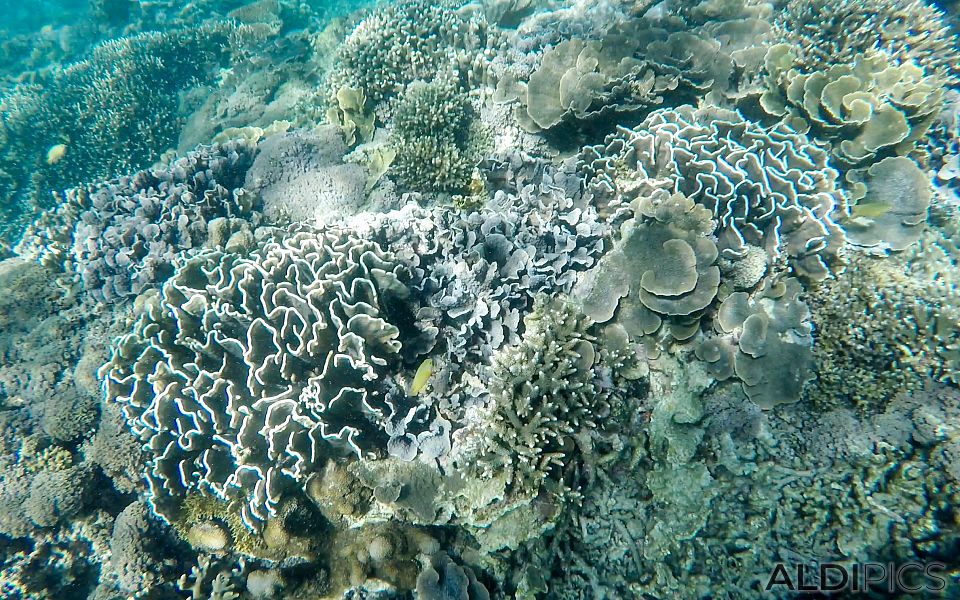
(663, 269)
(243, 374)
(867, 108)
(119, 237)
(766, 187)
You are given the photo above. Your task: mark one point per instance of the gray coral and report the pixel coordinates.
(301, 176)
(116, 112)
(245, 373)
(766, 187)
(548, 392)
(770, 339)
(120, 237)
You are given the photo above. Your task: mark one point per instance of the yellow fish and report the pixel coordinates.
(871, 210)
(420, 379)
(55, 153)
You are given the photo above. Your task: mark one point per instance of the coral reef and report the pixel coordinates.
(115, 112)
(487, 299)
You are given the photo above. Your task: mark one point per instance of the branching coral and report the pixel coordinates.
(548, 392)
(402, 42)
(836, 31)
(114, 113)
(435, 137)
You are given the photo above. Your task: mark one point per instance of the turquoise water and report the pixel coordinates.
(504, 299)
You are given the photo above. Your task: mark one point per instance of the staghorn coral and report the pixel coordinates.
(402, 42)
(120, 237)
(548, 394)
(766, 187)
(836, 31)
(243, 374)
(866, 108)
(435, 138)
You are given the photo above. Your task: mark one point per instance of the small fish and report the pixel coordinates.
(55, 153)
(871, 210)
(424, 371)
